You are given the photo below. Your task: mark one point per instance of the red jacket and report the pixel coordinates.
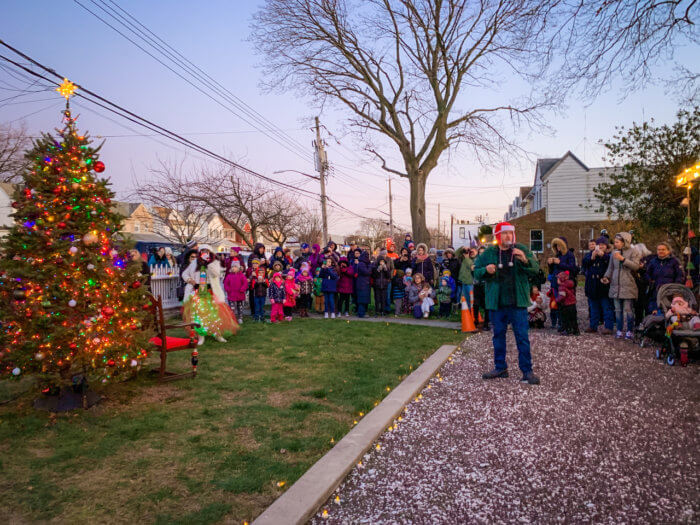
(567, 294)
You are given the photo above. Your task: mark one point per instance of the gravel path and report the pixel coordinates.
(610, 436)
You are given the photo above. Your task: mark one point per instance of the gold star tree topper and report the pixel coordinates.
(66, 88)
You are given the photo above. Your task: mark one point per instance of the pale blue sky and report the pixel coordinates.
(213, 35)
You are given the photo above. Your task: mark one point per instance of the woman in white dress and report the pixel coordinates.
(205, 301)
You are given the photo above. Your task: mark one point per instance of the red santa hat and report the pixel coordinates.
(504, 227)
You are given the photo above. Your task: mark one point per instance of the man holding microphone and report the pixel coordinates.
(505, 269)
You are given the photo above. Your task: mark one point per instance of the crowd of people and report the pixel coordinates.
(620, 279)
(413, 280)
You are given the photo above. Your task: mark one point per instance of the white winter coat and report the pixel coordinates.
(214, 271)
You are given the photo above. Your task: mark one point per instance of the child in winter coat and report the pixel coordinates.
(329, 286)
(398, 292)
(346, 283)
(407, 282)
(277, 295)
(236, 286)
(291, 291)
(536, 311)
(258, 285)
(566, 300)
(553, 306)
(318, 292)
(306, 290)
(444, 297)
(381, 276)
(426, 296)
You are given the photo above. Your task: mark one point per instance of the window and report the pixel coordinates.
(536, 244)
(462, 233)
(137, 227)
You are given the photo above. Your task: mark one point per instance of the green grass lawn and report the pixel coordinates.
(263, 408)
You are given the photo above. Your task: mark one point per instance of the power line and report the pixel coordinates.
(268, 129)
(106, 104)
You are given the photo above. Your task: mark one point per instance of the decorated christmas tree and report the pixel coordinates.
(71, 302)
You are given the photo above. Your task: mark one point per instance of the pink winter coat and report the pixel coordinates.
(291, 290)
(236, 286)
(347, 280)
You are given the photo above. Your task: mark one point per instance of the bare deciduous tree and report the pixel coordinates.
(372, 233)
(13, 143)
(399, 66)
(607, 39)
(309, 227)
(167, 193)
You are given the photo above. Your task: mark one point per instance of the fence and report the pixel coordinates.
(164, 282)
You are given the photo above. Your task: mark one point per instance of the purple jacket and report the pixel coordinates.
(346, 282)
(664, 271)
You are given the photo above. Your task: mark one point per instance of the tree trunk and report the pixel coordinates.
(420, 228)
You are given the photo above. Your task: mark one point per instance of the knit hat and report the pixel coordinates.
(168, 250)
(446, 273)
(304, 266)
(603, 240)
(409, 271)
(291, 273)
(235, 263)
(204, 247)
(255, 261)
(304, 245)
(411, 246)
(276, 275)
(236, 249)
(563, 276)
(504, 227)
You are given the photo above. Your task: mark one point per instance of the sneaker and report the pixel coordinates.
(332, 316)
(629, 336)
(530, 379)
(618, 335)
(347, 314)
(200, 340)
(220, 339)
(493, 374)
(240, 321)
(325, 316)
(425, 315)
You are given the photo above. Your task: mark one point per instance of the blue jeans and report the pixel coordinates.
(387, 301)
(329, 299)
(517, 318)
(259, 307)
(361, 309)
(465, 291)
(601, 308)
(624, 308)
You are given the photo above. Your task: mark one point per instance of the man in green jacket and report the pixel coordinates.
(506, 268)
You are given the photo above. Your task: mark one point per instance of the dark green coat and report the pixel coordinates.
(522, 274)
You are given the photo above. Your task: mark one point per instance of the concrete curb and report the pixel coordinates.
(302, 500)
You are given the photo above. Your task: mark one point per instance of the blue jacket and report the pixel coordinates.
(330, 280)
(664, 271)
(362, 282)
(594, 270)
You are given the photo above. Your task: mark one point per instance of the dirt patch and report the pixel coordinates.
(284, 399)
(244, 437)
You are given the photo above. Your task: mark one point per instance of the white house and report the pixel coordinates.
(7, 192)
(564, 188)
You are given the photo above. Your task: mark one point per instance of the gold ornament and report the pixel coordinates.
(89, 238)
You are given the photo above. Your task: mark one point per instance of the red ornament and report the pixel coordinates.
(61, 224)
(108, 311)
(136, 284)
(15, 204)
(99, 166)
(111, 362)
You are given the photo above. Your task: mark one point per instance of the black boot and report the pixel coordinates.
(493, 374)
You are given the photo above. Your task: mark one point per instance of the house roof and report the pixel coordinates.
(554, 166)
(8, 188)
(524, 190)
(125, 208)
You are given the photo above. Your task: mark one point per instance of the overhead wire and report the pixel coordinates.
(110, 106)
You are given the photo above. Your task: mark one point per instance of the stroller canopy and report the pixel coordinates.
(668, 291)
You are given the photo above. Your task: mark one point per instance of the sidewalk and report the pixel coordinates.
(397, 320)
(611, 435)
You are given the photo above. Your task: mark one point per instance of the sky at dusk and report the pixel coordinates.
(214, 35)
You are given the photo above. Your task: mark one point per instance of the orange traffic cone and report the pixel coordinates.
(467, 319)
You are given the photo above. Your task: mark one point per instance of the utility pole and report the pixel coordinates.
(452, 229)
(321, 161)
(438, 227)
(391, 213)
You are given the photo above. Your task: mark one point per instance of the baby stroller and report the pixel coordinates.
(677, 343)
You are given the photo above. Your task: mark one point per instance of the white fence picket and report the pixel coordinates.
(164, 282)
